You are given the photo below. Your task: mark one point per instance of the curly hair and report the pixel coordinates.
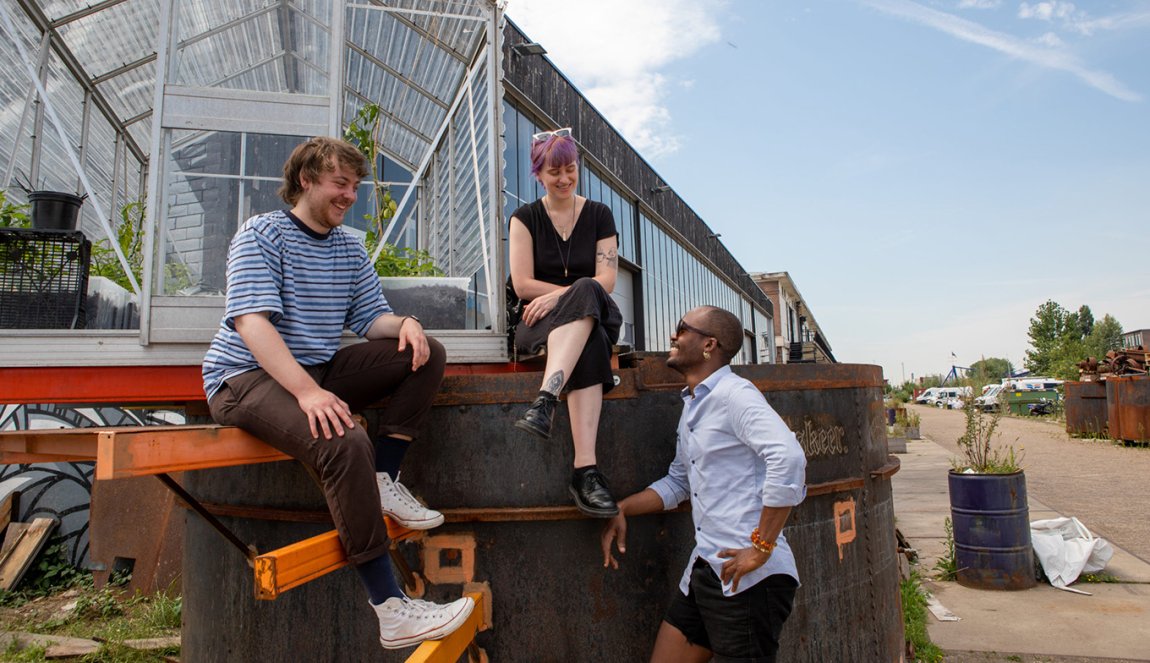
(318, 155)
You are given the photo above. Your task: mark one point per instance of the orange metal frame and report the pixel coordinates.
(146, 384)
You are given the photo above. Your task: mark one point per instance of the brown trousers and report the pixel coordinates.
(360, 374)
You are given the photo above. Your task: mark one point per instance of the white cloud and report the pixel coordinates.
(1046, 11)
(1050, 39)
(1052, 58)
(615, 53)
(979, 4)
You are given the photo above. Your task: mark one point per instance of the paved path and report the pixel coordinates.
(1101, 483)
(1095, 481)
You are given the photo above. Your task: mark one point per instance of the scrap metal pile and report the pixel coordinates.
(1127, 361)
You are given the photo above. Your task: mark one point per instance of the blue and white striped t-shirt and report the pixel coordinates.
(311, 286)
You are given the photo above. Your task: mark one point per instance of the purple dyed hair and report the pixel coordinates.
(552, 152)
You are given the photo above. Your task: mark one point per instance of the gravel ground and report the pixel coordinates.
(1102, 483)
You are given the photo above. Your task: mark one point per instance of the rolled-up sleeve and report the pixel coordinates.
(764, 431)
(674, 488)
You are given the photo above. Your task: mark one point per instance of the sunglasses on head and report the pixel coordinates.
(546, 135)
(684, 327)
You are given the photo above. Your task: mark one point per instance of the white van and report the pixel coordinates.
(988, 401)
(951, 398)
(928, 396)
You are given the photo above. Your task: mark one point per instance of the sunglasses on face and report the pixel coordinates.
(684, 327)
(545, 135)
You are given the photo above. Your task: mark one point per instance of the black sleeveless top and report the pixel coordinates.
(550, 251)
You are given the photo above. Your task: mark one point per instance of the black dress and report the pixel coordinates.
(572, 263)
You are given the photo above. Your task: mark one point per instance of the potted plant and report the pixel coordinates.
(913, 425)
(12, 215)
(411, 281)
(988, 508)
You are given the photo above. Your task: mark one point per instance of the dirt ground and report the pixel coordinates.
(1102, 483)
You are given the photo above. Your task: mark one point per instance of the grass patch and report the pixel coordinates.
(946, 566)
(914, 620)
(108, 615)
(1101, 578)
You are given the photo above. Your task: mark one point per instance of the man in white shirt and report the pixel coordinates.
(743, 471)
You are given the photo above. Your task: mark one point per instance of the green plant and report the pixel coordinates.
(947, 564)
(13, 215)
(913, 420)
(914, 600)
(364, 132)
(979, 455)
(130, 238)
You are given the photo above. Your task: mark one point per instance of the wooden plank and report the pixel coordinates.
(449, 648)
(149, 450)
(10, 498)
(291, 566)
(20, 557)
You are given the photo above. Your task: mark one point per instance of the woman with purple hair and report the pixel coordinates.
(564, 259)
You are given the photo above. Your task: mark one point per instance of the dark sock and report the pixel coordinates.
(389, 452)
(586, 468)
(379, 579)
(548, 395)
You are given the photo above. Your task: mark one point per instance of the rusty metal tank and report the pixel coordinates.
(512, 533)
(1085, 406)
(1128, 408)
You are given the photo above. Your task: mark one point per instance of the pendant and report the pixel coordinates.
(564, 272)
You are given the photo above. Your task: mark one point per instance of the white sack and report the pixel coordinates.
(1066, 549)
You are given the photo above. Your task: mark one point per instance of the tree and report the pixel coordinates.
(1106, 336)
(991, 369)
(1047, 328)
(1060, 339)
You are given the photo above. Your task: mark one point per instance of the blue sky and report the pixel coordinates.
(928, 172)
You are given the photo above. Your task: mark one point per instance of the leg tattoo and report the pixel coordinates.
(554, 383)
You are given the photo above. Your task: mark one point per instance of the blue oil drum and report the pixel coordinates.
(991, 531)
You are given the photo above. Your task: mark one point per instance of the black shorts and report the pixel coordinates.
(743, 627)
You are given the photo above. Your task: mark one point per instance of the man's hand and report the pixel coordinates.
(616, 530)
(741, 562)
(411, 332)
(325, 411)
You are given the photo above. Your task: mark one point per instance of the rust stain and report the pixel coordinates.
(844, 524)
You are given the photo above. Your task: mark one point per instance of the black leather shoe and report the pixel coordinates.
(537, 419)
(592, 495)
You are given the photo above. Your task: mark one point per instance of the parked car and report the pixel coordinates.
(951, 398)
(928, 396)
(988, 401)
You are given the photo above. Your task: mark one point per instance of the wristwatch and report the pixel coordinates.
(411, 317)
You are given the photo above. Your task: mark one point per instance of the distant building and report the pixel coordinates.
(1136, 339)
(798, 338)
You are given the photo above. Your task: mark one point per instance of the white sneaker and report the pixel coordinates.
(402, 506)
(404, 622)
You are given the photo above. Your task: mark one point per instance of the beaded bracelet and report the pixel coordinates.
(759, 544)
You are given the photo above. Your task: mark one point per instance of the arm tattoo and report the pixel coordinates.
(611, 257)
(554, 383)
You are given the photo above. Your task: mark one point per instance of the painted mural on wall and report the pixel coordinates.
(63, 490)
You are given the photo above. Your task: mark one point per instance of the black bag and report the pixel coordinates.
(514, 312)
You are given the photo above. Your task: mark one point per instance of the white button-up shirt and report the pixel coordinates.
(734, 456)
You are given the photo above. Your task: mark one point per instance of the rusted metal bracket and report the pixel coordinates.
(249, 551)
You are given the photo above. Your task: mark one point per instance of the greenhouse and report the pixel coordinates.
(163, 125)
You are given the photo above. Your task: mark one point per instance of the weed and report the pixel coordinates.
(914, 600)
(1098, 578)
(947, 565)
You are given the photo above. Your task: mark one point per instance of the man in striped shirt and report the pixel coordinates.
(296, 280)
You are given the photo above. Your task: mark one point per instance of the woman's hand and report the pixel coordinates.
(541, 306)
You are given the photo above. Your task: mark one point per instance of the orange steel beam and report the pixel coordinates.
(47, 446)
(293, 565)
(147, 450)
(449, 648)
(144, 384)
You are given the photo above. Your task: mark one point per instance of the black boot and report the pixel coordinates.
(589, 488)
(537, 419)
